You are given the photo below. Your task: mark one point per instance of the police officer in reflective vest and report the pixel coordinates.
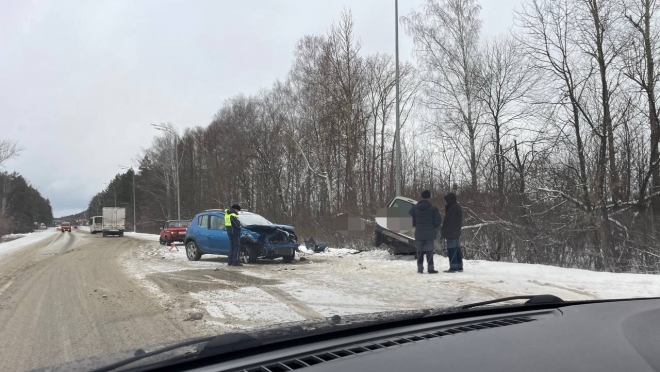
(233, 227)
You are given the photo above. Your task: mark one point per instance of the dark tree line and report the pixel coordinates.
(549, 134)
(21, 205)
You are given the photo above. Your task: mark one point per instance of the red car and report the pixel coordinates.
(173, 231)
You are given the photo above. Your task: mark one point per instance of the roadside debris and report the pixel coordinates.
(194, 316)
(311, 244)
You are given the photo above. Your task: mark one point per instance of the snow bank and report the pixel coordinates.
(143, 236)
(13, 236)
(25, 240)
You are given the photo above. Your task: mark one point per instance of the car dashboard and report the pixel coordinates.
(603, 336)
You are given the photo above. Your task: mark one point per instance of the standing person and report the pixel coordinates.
(451, 230)
(233, 227)
(426, 221)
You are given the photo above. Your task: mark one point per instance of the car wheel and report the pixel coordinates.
(161, 241)
(121, 234)
(62, 231)
(377, 239)
(192, 251)
(105, 234)
(253, 253)
(243, 256)
(288, 259)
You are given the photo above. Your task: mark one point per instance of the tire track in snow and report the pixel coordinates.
(291, 302)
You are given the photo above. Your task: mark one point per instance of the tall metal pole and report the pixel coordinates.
(178, 199)
(134, 224)
(398, 126)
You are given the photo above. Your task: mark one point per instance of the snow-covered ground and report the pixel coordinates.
(141, 236)
(25, 240)
(345, 281)
(8, 237)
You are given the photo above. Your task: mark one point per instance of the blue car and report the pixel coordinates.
(260, 238)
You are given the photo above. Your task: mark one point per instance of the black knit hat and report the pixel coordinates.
(236, 207)
(426, 194)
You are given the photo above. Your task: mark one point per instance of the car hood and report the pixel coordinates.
(268, 228)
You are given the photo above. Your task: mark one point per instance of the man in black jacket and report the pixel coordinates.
(426, 221)
(451, 230)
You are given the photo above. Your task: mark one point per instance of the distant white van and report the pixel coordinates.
(96, 224)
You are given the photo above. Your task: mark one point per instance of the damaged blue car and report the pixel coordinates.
(260, 238)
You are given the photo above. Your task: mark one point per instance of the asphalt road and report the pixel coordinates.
(66, 298)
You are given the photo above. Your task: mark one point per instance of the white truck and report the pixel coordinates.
(113, 221)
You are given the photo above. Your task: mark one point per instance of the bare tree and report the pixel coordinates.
(446, 36)
(8, 150)
(507, 84)
(640, 67)
(548, 29)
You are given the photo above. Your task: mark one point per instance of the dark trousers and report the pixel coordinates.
(454, 254)
(234, 248)
(424, 248)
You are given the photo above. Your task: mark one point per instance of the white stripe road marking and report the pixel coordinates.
(4, 287)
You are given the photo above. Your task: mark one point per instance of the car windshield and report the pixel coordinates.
(253, 219)
(387, 156)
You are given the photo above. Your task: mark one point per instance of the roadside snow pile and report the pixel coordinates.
(143, 236)
(10, 237)
(27, 239)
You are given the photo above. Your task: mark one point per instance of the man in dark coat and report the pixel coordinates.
(426, 221)
(451, 231)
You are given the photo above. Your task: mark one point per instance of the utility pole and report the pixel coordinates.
(134, 209)
(397, 132)
(176, 160)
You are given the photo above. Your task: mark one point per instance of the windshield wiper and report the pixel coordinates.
(141, 354)
(531, 300)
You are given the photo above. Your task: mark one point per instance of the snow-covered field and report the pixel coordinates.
(345, 281)
(25, 239)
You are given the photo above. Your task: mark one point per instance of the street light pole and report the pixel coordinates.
(397, 134)
(178, 188)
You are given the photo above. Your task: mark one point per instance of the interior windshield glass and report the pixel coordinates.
(389, 155)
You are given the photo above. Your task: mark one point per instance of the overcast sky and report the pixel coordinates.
(80, 81)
